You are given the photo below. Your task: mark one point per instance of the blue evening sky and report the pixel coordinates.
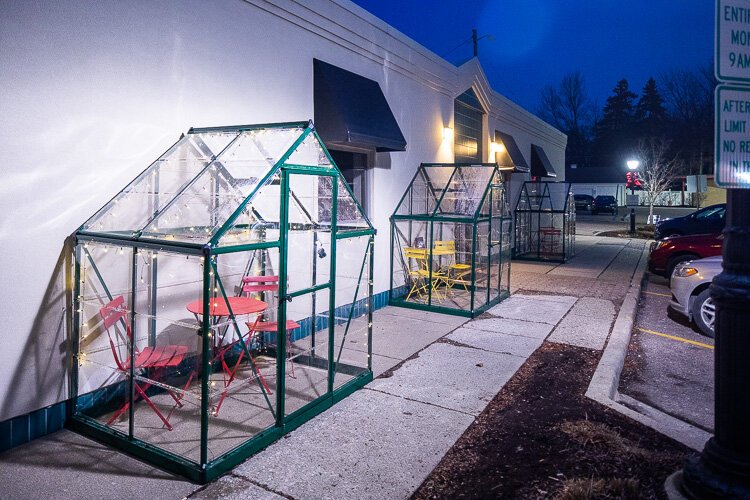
(536, 42)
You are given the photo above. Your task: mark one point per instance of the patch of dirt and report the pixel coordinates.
(641, 233)
(540, 437)
(635, 362)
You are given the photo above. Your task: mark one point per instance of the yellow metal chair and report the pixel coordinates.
(455, 273)
(421, 275)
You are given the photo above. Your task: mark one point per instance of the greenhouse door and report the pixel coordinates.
(307, 298)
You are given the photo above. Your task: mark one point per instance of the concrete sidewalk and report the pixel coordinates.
(439, 372)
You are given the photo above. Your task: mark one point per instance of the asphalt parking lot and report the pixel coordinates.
(670, 363)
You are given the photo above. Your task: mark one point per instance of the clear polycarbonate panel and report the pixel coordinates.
(349, 215)
(482, 273)
(451, 265)
(309, 230)
(157, 186)
(420, 197)
(410, 254)
(307, 354)
(168, 286)
(351, 349)
(506, 255)
(259, 220)
(243, 379)
(199, 210)
(103, 351)
(496, 255)
(219, 192)
(466, 190)
(559, 194)
(525, 239)
(310, 153)
(499, 201)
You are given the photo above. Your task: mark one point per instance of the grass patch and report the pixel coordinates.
(580, 489)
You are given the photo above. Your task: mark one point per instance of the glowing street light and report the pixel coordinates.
(633, 164)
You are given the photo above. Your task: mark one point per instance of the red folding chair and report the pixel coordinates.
(273, 326)
(263, 284)
(260, 284)
(229, 373)
(150, 358)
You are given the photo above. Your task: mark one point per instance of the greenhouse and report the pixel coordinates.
(450, 240)
(545, 222)
(215, 297)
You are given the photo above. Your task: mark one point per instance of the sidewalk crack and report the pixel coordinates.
(367, 388)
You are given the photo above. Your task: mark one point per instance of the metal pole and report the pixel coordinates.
(722, 470)
(632, 221)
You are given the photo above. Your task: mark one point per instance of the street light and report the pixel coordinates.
(632, 166)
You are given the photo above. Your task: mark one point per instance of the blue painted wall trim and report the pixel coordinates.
(24, 428)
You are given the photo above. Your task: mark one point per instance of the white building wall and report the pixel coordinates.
(95, 91)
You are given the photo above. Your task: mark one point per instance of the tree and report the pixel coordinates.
(689, 99)
(568, 108)
(650, 114)
(614, 132)
(657, 169)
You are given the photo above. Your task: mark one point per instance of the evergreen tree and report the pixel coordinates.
(650, 114)
(618, 111)
(615, 131)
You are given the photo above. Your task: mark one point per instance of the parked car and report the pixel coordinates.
(666, 254)
(604, 204)
(583, 201)
(709, 220)
(690, 294)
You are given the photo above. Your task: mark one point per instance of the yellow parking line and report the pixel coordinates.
(659, 294)
(680, 339)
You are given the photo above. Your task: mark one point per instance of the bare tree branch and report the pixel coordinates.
(658, 168)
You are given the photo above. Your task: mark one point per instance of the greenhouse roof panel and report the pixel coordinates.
(214, 183)
(448, 190)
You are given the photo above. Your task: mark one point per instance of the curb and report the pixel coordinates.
(606, 379)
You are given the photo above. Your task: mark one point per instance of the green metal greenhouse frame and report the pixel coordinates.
(468, 200)
(302, 161)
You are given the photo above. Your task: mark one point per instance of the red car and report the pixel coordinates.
(667, 253)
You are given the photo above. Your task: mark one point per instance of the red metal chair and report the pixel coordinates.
(231, 372)
(273, 326)
(260, 284)
(149, 358)
(263, 284)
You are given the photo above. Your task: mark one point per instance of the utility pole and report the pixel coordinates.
(474, 41)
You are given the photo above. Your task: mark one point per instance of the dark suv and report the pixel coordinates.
(704, 221)
(583, 201)
(604, 204)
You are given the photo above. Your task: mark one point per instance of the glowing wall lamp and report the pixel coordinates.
(447, 134)
(495, 149)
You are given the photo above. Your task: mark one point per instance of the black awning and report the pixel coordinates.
(540, 165)
(512, 154)
(351, 109)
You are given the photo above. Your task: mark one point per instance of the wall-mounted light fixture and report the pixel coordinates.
(496, 147)
(447, 134)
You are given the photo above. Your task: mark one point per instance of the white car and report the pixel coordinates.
(690, 294)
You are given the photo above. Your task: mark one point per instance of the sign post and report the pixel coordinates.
(732, 143)
(722, 470)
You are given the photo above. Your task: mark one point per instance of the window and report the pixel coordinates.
(468, 128)
(354, 168)
(711, 213)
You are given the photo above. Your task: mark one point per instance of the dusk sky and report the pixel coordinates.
(536, 42)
